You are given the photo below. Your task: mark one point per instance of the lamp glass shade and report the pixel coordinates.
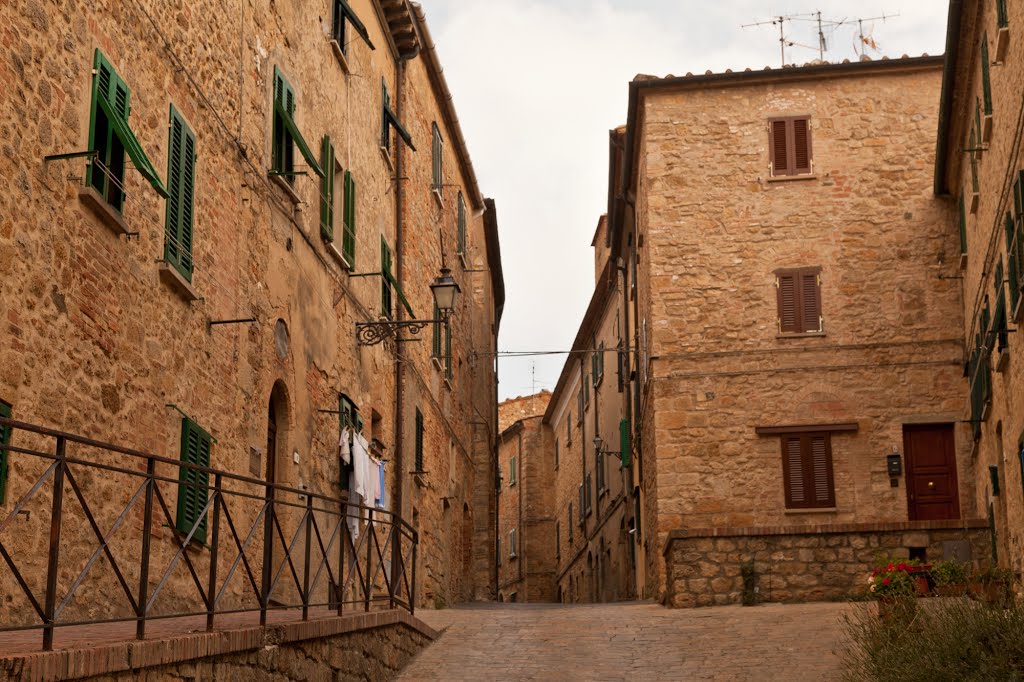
(597, 442)
(446, 291)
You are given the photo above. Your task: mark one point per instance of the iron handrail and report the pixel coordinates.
(374, 555)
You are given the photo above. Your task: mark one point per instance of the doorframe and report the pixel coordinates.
(909, 426)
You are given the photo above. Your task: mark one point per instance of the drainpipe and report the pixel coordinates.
(497, 477)
(628, 400)
(583, 450)
(519, 529)
(399, 503)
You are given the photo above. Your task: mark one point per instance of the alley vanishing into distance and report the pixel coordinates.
(632, 641)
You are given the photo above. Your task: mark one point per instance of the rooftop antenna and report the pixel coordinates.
(780, 21)
(868, 40)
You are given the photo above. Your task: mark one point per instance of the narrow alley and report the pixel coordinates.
(635, 641)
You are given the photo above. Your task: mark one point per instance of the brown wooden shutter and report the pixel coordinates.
(793, 471)
(789, 313)
(779, 148)
(810, 302)
(801, 145)
(821, 470)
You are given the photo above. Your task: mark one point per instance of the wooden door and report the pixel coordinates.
(932, 492)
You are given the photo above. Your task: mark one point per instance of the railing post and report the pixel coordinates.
(268, 550)
(369, 560)
(341, 559)
(147, 532)
(305, 569)
(56, 517)
(396, 547)
(215, 543)
(412, 597)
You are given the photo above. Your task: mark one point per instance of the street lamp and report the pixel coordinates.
(597, 446)
(446, 293)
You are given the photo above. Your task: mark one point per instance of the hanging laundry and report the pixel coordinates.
(381, 495)
(361, 467)
(345, 447)
(353, 511)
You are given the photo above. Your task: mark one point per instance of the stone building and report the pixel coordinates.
(979, 172)
(299, 167)
(593, 481)
(796, 365)
(525, 556)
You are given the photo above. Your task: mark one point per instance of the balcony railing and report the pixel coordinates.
(93, 539)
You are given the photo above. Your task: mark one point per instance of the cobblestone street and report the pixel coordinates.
(639, 641)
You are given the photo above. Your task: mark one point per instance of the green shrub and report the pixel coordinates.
(948, 639)
(949, 572)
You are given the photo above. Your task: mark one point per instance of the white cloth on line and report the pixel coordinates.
(345, 447)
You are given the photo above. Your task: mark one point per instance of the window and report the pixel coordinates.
(436, 332)
(5, 439)
(448, 372)
(110, 136)
(625, 447)
(998, 336)
(980, 373)
(588, 494)
(462, 226)
(287, 135)
(419, 442)
(556, 452)
(349, 414)
(343, 14)
(499, 478)
(973, 145)
(599, 467)
(789, 144)
(193, 485)
(512, 472)
(348, 245)
(330, 164)
(181, 169)
(582, 506)
(586, 392)
(1002, 18)
(512, 544)
(386, 280)
(986, 80)
(568, 429)
(570, 507)
(600, 363)
(993, 476)
(579, 406)
(1015, 244)
(807, 470)
(385, 127)
(437, 177)
(799, 301)
(558, 539)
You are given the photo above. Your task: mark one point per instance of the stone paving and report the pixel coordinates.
(637, 641)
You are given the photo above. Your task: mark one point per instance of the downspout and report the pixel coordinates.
(497, 476)
(519, 523)
(583, 457)
(628, 400)
(399, 503)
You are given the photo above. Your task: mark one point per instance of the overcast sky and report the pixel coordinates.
(538, 84)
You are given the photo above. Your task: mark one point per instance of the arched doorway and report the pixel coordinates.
(274, 551)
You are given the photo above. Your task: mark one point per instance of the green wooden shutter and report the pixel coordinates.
(624, 444)
(436, 329)
(419, 441)
(286, 132)
(448, 351)
(385, 124)
(348, 247)
(5, 439)
(193, 490)
(385, 279)
(986, 82)
(327, 190)
(1002, 17)
(181, 168)
(974, 161)
(108, 87)
(462, 224)
(1013, 263)
(512, 472)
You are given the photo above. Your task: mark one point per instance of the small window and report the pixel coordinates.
(599, 458)
(193, 485)
(349, 414)
(342, 16)
(327, 189)
(5, 439)
(589, 494)
(789, 146)
(286, 134)
(568, 429)
(419, 442)
(807, 470)
(556, 452)
(993, 476)
(512, 472)
(386, 278)
(348, 245)
(582, 504)
(437, 176)
(512, 544)
(437, 330)
(181, 173)
(579, 406)
(462, 225)
(799, 301)
(986, 79)
(385, 127)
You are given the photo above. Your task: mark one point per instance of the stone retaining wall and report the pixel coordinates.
(812, 563)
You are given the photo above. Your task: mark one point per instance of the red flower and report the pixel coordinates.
(890, 568)
(886, 581)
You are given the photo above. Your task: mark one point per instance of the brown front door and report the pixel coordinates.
(932, 492)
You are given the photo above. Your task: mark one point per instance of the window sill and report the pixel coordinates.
(793, 178)
(975, 197)
(1002, 44)
(1015, 316)
(438, 199)
(986, 129)
(417, 477)
(386, 155)
(337, 255)
(287, 188)
(104, 211)
(1002, 360)
(963, 261)
(801, 335)
(436, 362)
(448, 384)
(816, 510)
(462, 259)
(170, 276)
(339, 54)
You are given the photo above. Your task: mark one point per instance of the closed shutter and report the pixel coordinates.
(181, 163)
(327, 190)
(582, 504)
(193, 491)
(624, 445)
(986, 80)
(512, 472)
(419, 441)
(556, 452)
(799, 301)
(1002, 16)
(5, 439)
(778, 148)
(789, 314)
(807, 470)
(974, 165)
(1013, 262)
(801, 146)
(437, 174)
(810, 302)
(348, 247)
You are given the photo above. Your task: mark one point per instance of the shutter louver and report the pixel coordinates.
(327, 190)
(780, 151)
(986, 80)
(349, 239)
(801, 146)
(193, 490)
(789, 321)
(810, 309)
(821, 471)
(181, 195)
(794, 471)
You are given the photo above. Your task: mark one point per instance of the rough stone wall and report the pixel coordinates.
(510, 512)
(512, 410)
(704, 566)
(95, 343)
(716, 229)
(998, 165)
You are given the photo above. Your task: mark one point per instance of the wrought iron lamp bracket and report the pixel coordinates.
(373, 333)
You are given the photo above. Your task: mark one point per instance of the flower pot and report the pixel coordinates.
(921, 585)
(955, 590)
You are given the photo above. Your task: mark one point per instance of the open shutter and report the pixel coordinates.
(349, 240)
(986, 81)
(327, 190)
(419, 441)
(462, 224)
(793, 471)
(181, 162)
(1013, 262)
(779, 149)
(5, 439)
(789, 313)
(193, 490)
(448, 351)
(385, 280)
(821, 470)
(810, 302)
(801, 145)
(436, 334)
(624, 445)
(343, 8)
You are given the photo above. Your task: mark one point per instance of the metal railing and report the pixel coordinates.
(314, 551)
